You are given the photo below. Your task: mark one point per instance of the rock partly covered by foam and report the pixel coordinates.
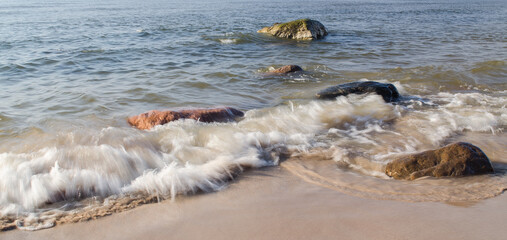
(302, 29)
(287, 69)
(457, 159)
(386, 90)
(155, 117)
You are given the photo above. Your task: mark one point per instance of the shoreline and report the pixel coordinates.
(270, 203)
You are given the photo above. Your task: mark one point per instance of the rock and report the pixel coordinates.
(302, 29)
(386, 90)
(155, 117)
(457, 159)
(287, 69)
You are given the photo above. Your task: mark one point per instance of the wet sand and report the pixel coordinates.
(272, 203)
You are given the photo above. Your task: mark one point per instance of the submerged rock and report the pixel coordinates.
(386, 90)
(287, 69)
(155, 117)
(457, 159)
(302, 29)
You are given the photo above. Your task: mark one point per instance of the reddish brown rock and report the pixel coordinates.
(287, 69)
(457, 159)
(155, 117)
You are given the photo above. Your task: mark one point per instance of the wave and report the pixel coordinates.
(453, 191)
(64, 164)
(78, 164)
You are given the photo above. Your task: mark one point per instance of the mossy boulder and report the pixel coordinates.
(388, 91)
(457, 159)
(302, 29)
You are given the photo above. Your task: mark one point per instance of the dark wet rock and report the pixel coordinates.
(287, 69)
(302, 29)
(386, 90)
(457, 159)
(155, 117)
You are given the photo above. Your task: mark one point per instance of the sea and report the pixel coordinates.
(73, 71)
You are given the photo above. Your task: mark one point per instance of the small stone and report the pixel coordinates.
(457, 159)
(152, 118)
(386, 90)
(287, 69)
(302, 29)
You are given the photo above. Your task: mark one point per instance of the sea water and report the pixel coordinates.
(71, 72)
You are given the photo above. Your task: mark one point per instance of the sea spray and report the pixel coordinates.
(115, 164)
(179, 157)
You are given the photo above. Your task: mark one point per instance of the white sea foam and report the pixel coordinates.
(367, 147)
(179, 157)
(228, 40)
(186, 156)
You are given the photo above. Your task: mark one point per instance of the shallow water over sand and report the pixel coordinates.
(72, 73)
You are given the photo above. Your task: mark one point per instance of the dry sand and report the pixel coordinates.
(272, 203)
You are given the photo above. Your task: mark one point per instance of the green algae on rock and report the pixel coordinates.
(302, 29)
(457, 159)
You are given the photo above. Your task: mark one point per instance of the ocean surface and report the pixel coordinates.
(71, 72)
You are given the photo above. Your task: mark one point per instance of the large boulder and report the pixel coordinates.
(155, 117)
(457, 159)
(386, 90)
(287, 69)
(302, 29)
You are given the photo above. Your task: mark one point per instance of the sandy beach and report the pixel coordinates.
(272, 203)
